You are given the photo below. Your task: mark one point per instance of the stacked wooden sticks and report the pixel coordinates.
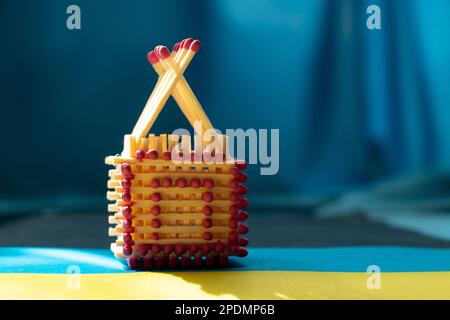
(166, 213)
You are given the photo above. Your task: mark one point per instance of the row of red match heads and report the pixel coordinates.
(162, 52)
(234, 170)
(235, 212)
(181, 182)
(233, 223)
(153, 154)
(236, 248)
(163, 261)
(207, 196)
(194, 183)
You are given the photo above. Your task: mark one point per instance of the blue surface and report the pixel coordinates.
(342, 259)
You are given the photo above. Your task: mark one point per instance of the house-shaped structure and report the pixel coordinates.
(168, 213)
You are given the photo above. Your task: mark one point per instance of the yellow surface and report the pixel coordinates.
(225, 285)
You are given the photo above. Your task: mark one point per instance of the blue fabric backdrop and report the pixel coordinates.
(353, 105)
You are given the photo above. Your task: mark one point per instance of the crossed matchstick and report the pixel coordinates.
(170, 68)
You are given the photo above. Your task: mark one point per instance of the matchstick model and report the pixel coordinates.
(168, 212)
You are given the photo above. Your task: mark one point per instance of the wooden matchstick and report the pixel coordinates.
(195, 112)
(175, 49)
(162, 91)
(180, 99)
(183, 47)
(182, 93)
(193, 105)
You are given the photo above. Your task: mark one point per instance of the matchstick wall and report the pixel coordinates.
(166, 213)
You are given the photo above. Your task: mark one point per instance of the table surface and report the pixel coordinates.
(266, 273)
(268, 228)
(292, 256)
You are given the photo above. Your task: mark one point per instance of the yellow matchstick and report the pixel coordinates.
(162, 91)
(182, 92)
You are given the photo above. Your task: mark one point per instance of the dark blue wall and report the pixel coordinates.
(352, 105)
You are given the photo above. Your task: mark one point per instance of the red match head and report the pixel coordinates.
(176, 46)
(156, 223)
(187, 42)
(125, 168)
(152, 57)
(151, 154)
(156, 196)
(242, 252)
(162, 52)
(156, 50)
(195, 45)
(183, 42)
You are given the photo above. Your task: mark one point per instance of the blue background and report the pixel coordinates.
(354, 106)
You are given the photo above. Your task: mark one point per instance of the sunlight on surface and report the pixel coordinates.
(78, 256)
(226, 285)
(283, 296)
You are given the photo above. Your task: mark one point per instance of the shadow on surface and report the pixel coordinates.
(268, 228)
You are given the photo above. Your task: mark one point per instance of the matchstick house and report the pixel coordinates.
(167, 212)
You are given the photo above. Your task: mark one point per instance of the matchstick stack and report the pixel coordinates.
(171, 213)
